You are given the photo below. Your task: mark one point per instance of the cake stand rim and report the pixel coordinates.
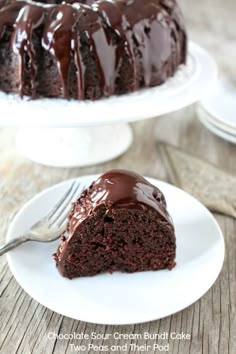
(132, 107)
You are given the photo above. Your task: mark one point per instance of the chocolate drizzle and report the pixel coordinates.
(29, 18)
(59, 38)
(114, 16)
(103, 49)
(149, 34)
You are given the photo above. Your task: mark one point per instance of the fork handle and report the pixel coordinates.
(12, 244)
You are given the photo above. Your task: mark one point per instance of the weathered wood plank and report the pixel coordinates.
(211, 322)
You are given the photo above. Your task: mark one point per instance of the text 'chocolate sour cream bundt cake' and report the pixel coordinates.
(88, 49)
(119, 223)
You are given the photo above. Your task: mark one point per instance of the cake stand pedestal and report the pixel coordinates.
(74, 147)
(62, 133)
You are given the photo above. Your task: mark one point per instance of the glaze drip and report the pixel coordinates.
(148, 36)
(115, 18)
(103, 49)
(29, 18)
(59, 39)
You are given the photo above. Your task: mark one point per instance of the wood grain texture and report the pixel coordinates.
(211, 321)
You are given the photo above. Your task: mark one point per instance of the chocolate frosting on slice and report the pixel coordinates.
(120, 188)
(117, 189)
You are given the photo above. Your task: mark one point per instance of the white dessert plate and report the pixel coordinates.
(122, 298)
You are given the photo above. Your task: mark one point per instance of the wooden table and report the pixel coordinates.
(211, 321)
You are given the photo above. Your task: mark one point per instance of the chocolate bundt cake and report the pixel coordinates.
(87, 49)
(119, 223)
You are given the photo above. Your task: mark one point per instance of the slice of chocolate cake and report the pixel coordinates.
(119, 223)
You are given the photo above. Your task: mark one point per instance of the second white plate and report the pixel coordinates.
(122, 298)
(208, 121)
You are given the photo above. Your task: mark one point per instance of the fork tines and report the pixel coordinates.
(61, 210)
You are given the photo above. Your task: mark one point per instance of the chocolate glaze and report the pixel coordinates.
(114, 189)
(151, 32)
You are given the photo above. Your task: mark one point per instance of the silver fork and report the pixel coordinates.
(50, 227)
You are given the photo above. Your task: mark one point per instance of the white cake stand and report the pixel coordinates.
(62, 133)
